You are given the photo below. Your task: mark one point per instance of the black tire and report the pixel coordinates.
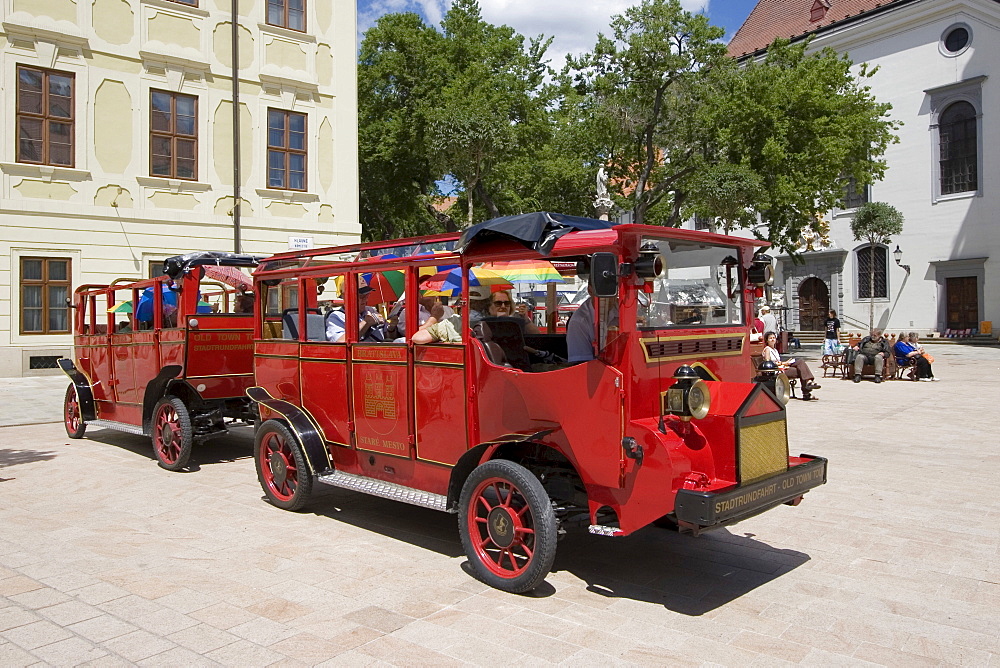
(282, 469)
(72, 417)
(171, 433)
(507, 525)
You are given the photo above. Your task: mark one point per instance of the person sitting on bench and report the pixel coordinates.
(872, 350)
(793, 368)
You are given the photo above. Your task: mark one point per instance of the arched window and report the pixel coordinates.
(959, 146)
(868, 256)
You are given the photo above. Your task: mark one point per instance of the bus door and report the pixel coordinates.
(323, 363)
(380, 370)
(122, 355)
(439, 402)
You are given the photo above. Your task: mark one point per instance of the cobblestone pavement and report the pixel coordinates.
(107, 560)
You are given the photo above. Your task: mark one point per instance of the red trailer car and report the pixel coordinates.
(168, 357)
(666, 423)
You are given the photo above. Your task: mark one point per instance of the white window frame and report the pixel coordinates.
(942, 97)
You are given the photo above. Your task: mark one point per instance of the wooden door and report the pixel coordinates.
(963, 302)
(814, 304)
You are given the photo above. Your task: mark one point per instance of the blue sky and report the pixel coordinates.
(573, 24)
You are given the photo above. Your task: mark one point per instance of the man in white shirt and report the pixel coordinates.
(371, 326)
(766, 317)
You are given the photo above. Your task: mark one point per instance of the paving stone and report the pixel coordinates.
(13, 617)
(202, 638)
(138, 645)
(35, 634)
(70, 651)
(101, 628)
(245, 653)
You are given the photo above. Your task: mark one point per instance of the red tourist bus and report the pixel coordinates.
(168, 357)
(664, 423)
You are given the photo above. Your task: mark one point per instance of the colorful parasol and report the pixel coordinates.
(122, 307)
(233, 276)
(450, 282)
(527, 271)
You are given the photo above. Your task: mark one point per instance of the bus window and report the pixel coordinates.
(693, 290)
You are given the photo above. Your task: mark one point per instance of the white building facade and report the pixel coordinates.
(117, 144)
(939, 68)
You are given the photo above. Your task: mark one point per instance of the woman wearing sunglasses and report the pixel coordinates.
(501, 305)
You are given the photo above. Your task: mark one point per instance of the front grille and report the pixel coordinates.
(763, 450)
(707, 347)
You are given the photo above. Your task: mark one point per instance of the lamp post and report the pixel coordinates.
(898, 255)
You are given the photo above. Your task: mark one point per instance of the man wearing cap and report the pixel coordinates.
(371, 326)
(479, 302)
(770, 322)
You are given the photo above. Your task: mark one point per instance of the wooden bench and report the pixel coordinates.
(833, 366)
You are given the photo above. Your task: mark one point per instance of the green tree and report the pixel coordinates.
(875, 222)
(646, 83)
(801, 122)
(401, 65)
(727, 192)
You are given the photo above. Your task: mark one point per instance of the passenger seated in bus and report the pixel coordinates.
(445, 330)
(371, 325)
(479, 303)
(244, 303)
(580, 330)
(501, 305)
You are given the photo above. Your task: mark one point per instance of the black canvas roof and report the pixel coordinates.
(538, 230)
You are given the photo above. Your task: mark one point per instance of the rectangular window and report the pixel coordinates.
(173, 135)
(702, 223)
(45, 289)
(287, 14)
(866, 256)
(286, 150)
(854, 195)
(694, 290)
(192, 3)
(44, 117)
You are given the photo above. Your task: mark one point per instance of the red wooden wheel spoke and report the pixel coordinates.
(486, 504)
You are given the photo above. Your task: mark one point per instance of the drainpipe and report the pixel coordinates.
(237, 197)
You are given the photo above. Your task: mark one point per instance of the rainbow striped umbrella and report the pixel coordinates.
(527, 271)
(450, 282)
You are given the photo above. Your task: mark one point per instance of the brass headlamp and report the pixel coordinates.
(688, 397)
(770, 375)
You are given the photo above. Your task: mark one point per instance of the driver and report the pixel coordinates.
(371, 325)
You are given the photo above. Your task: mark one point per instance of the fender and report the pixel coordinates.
(84, 395)
(301, 423)
(154, 392)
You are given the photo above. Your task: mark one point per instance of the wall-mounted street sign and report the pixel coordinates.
(300, 243)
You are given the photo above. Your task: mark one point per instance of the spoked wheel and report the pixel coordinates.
(507, 525)
(172, 436)
(281, 466)
(72, 418)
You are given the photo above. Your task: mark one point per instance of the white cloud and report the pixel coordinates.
(573, 24)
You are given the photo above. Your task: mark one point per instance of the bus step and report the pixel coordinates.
(117, 426)
(387, 490)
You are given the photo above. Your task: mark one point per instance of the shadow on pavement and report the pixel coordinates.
(14, 457)
(234, 446)
(687, 575)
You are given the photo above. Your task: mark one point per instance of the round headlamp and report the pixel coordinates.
(689, 396)
(770, 375)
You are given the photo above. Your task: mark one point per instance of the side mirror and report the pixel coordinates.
(604, 274)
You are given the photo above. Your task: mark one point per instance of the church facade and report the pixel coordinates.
(939, 66)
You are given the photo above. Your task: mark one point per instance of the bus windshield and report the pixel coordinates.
(698, 287)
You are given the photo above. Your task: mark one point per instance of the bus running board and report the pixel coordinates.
(387, 490)
(118, 426)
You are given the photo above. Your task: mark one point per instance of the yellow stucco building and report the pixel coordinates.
(117, 144)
